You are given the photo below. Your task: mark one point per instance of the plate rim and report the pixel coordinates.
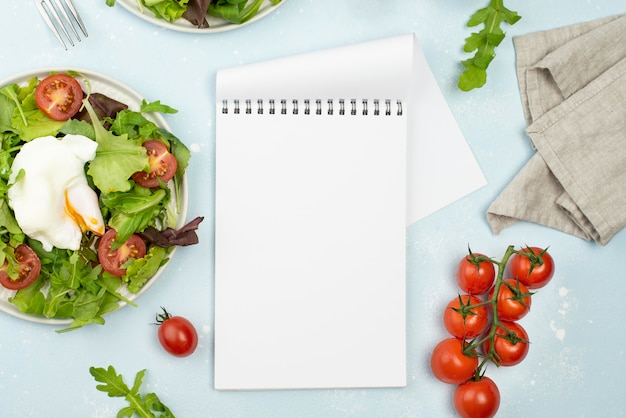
(22, 77)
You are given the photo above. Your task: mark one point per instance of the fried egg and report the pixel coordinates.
(51, 199)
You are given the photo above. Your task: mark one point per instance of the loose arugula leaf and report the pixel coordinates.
(150, 406)
(117, 158)
(484, 42)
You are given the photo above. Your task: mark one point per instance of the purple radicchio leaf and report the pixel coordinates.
(104, 106)
(196, 13)
(186, 235)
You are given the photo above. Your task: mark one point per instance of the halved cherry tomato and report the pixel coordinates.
(474, 276)
(514, 300)
(59, 96)
(27, 271)
(463, 322)
(163, 165)
(449, 363)
(510, 344)
(477, 398)
(112, 261)
(535, 268)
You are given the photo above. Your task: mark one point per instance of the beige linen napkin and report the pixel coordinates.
(573, 86)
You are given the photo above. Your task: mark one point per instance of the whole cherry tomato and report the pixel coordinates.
(477, 398)
(450, 364)
(176, 334)
(464, 320)
(510, 344)
(514, 300)
(475, 274)
(534, 268)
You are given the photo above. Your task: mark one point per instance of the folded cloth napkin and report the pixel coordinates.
(573, 86)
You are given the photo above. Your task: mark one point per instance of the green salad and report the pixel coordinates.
(133, 181)
(196, 11)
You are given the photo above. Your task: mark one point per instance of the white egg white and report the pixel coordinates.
(52, 201)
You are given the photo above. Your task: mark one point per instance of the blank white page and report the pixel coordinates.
(310, 251)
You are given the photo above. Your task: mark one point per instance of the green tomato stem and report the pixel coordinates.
(496, 323)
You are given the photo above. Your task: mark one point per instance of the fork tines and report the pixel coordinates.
(59, 15)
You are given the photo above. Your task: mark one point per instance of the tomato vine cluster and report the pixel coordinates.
(483, 324)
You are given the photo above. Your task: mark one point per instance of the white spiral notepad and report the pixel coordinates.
(312, 208)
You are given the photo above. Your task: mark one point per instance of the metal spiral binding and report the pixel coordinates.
(352, 107)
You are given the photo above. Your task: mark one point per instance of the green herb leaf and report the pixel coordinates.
(113, 385)
(484, 42)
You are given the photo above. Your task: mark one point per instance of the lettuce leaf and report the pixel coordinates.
(117, 158)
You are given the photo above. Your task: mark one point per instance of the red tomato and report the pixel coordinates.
(163, 165)
(450, 364)
(27, 270)
(474, 276)
(477, 398)
(534, 269)
(112, 261)
(465, 321)
(511, 347)
(176, 334)
(59, 96)
(513, 301)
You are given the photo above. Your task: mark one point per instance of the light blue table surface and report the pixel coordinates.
(577, 361)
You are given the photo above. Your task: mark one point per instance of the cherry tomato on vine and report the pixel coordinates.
(450, 364)
(514, 300)
(535, 269)
(112, 261)
(510, 343)
(177, 335)
(474, 276)
(27, 270)
(163, 165)
(59, 96)
(464, 320)
(477, 398)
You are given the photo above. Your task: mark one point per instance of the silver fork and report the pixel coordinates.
(57, 17)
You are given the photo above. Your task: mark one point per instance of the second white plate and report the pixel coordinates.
(182, 25)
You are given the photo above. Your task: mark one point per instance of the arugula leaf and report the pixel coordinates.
(156, 106)
(484, 42)
(117, 158)
(149, 406)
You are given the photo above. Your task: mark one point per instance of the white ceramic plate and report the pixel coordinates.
(118, 91)
(182, 25)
